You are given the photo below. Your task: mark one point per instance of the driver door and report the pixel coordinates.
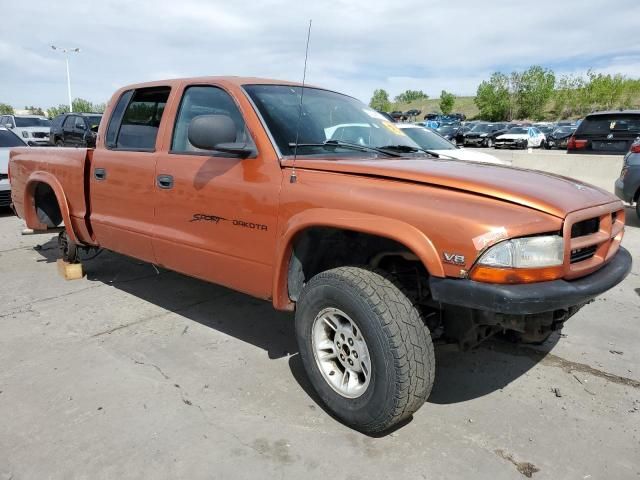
(216, 213)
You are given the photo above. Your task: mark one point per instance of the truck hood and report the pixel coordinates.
(542, 191)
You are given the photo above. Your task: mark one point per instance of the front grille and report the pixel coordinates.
(40, 134)
(582, 254)
(592, 237)
(586, 227)
(5, 198)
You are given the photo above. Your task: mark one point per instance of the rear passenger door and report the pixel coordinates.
(123, 173)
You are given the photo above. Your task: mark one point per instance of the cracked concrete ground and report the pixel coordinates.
(129, 373)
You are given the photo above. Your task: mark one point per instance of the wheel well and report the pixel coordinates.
(322, 248)
(46, 205)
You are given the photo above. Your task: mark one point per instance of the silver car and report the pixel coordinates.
(8, 140)
(32, 129)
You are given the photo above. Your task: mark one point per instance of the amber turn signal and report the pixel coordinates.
(482, 273)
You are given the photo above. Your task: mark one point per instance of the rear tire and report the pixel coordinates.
(397, 344)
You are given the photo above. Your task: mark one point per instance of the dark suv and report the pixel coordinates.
(606, 133)
(75, 129)
(627, 187)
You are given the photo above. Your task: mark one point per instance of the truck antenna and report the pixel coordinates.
(293, 178)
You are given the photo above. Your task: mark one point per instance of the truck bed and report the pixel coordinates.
(66, 170)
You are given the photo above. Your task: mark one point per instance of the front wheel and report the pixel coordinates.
(489, 143)
(59, 143)
(365, 348)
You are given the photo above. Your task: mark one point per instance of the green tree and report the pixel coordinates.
(409, 96)
(446, 102)
(34, 110)
(492, 98)
(80, 105)
(380, 100)
(533, 89)
(53, 112)
(6, 109)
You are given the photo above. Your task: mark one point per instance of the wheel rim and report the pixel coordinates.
(341, 353)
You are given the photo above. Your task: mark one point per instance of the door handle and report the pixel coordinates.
(165, 181)
(100, 174)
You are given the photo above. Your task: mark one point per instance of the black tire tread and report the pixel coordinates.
(410, 340)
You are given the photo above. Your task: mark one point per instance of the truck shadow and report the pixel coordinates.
(460, 376)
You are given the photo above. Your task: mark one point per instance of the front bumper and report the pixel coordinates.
(531, 298)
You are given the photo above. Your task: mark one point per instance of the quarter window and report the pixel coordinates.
(205, 100)
(136, 119)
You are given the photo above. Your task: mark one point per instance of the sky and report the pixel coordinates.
(356, 46)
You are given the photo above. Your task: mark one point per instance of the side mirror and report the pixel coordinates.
(10, 125)
(217, 132)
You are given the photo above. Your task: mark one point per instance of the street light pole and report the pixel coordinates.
(66, 52)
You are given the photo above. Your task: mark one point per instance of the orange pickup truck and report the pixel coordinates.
(313, 201)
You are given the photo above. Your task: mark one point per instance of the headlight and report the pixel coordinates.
(483, 134)
(529, 252)
(521, 260)
(25, 134)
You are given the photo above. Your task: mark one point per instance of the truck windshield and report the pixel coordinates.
(326, 116)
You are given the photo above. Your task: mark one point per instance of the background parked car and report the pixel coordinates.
(606, 133)
(33, 129)
(8, 140)
(75, 130)
(521, 137)
(627, 187)
(436, 144)
(449, 131)
(484, 134)
(560, 136)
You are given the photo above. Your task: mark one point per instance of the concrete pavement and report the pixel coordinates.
(134, 373)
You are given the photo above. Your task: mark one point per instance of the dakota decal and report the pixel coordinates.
(203, 217)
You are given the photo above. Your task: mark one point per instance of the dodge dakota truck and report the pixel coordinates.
(313, 201)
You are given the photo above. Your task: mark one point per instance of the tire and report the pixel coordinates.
(68, 249)
(59, 143)
(397, 344)
(543, 144)
(489, 143)
(638, 207)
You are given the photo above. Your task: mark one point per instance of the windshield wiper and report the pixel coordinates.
(409, 149)
(347, 145)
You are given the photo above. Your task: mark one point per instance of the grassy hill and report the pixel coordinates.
(462, 105)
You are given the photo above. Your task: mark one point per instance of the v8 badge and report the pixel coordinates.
(453, 258)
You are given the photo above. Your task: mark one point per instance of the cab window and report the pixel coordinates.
(205, 100)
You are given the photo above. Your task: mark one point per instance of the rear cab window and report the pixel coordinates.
(136, 118)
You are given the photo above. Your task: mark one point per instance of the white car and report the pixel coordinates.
(32, 129)
(521, 137)
(8, 140)
(436, 144)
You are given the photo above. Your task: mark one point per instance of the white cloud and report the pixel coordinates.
(356, 45)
